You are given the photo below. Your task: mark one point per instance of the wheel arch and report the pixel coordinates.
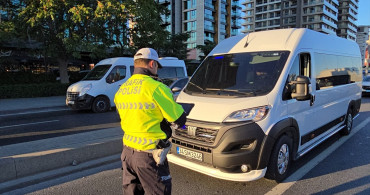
(288, 126)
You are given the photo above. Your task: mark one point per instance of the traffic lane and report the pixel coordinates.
(346, 171)
(30, 129)
(186, 181)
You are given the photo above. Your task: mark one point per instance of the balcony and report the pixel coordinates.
(209, 28)
(164, 2)
(326, 30)
(330, 23)
(330, 6)
(317, 2)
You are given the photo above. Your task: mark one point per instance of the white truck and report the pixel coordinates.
(263, 99)
(97, 89)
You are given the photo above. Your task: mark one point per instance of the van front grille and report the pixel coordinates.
(198, 133)
(191, 146)
(72, 95)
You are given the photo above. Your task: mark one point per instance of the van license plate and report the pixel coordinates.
(189, 153)
(71, 102)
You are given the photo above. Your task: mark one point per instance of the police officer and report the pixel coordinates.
(146, 108)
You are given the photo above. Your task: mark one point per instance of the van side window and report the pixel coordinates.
(301, 67)
(118, 73)
(334, 70)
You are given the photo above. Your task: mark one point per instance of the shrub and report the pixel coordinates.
(32, 90)
(7, 78)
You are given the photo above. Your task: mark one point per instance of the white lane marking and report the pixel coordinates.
(34, 112)
(297, 175)
(3, 127)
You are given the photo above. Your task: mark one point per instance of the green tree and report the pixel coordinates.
(146, 25)
(206, 48)
(68, 27)
(175, 46)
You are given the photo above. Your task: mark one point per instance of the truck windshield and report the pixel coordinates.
(238, 75)
(97, 72)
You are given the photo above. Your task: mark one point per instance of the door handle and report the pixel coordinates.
(312, 100)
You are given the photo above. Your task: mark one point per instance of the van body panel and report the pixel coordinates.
(214, 109)
(331, 65)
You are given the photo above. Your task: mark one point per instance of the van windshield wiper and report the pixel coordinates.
(197, 86)
(231, 90)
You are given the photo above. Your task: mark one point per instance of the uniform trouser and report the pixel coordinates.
(142, 175)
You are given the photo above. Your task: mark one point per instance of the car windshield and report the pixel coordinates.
(238, 75)
(167, 72)
(367, 78)
(98, 72)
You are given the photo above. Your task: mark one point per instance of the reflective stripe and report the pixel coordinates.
(136, 105)
(138, 140)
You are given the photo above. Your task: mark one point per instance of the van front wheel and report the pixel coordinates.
(280, 159)
(100, 104)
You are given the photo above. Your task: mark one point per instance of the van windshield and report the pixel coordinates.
(238, 75)
(97, 72)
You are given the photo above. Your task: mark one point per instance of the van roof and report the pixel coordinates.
(165, 61)
(286, 39)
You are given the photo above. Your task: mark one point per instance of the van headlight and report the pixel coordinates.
(85, 89)
(251, 114)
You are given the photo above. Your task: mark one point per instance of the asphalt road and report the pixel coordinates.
(341, 165)
(47, 125)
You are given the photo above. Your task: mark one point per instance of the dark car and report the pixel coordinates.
(177, 86)
(366, 85)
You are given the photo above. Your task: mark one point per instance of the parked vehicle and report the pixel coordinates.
(97, 89)
(366, 85)
(263, 99)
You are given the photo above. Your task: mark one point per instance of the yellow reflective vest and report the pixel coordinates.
(142, 103)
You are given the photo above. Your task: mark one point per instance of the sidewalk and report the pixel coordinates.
(28, 163)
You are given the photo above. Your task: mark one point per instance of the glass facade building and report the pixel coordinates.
(204, 20)
(328, 16)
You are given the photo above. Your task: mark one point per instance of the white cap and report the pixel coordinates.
(147, 53)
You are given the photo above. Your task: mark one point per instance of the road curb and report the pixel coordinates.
(27, 159)
(48, 175)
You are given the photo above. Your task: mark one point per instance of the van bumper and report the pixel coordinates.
(213, 172)
(235, 146)
(80, 103)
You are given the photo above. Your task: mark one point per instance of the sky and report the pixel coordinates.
(364, 12)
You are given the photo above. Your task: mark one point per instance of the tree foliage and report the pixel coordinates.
(147, 29)
(69, 27)
(175, 46)
(206, 48)
(101, 28)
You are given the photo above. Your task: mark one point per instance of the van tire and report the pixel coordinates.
(278, 169)
(101, 104)
(348, 123)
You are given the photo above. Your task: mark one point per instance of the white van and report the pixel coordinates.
(97, 89)
(263, 99)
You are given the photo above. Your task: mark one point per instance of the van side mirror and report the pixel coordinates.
(176, 89)
(302, 92)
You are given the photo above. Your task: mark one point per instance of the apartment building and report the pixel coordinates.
(363, 40)
(212, 20)
(347, 16)
(327, 16)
